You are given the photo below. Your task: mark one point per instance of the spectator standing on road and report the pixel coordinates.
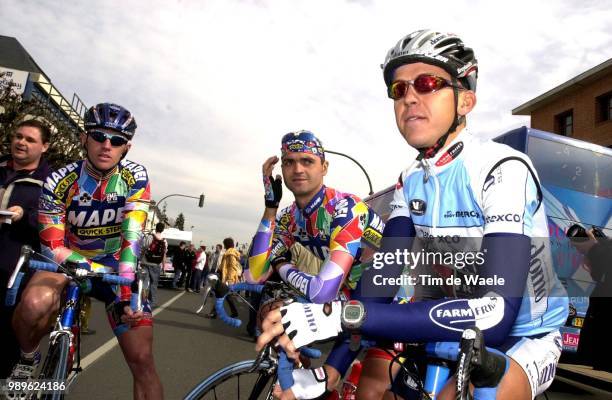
(230, 272)
(21, 178)
(152, 260)
(199, 268)
(230, 269)
(190, 261)
(178, 264)
(593, 345)
(215, 259)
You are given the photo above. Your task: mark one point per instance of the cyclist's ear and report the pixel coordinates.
(127, 148)
(466, 103)
(325, 166)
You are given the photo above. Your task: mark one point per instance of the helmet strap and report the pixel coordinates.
(429, 152)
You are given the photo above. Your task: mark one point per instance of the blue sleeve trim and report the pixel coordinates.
(494, 310)
(341, 357)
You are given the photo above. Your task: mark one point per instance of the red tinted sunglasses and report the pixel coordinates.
(423, 84)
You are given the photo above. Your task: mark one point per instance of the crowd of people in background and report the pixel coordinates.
(192, 265)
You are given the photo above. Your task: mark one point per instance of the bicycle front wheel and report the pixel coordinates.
(55, 367)
(236, 382)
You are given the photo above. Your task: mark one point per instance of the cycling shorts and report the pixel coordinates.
(538, 357)
(105, 293)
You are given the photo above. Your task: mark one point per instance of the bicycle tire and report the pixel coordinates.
(264, 378)
(55, 366)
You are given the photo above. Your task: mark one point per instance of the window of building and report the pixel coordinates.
(604, 107)
(564, 123)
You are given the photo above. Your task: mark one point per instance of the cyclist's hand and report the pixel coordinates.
(18, 213)
(281, 394)
(265, 308)
(129, 316)
(308, 383)
(273, 186)
(303, 325)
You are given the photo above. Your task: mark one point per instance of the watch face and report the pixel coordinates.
(352, 312)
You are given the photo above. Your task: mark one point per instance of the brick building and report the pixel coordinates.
(580, 108)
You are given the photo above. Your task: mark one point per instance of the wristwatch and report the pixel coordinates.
(353, 315)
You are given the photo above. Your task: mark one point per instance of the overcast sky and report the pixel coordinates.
(215, 84)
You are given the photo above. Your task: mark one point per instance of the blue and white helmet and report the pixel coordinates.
(445, 50)
(110, 116)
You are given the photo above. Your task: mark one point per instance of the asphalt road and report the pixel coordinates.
(187, 348)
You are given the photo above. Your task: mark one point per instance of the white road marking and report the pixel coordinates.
(112, 343)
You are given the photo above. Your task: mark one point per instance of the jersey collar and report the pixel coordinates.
(451, 152)
(314, 203)
(94, 173)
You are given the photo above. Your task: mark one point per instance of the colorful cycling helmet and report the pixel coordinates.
(445, 50)
(302, 142)
(110, 116)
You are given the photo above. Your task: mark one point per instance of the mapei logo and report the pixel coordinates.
(458, 315)
(503, 218)
(85, 199)
(417, 207)
(298, 281)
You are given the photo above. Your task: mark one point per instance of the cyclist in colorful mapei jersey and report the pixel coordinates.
(459, 189)
(92, 212)
(336, 227)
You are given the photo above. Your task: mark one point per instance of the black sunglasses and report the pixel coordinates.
(115, 140)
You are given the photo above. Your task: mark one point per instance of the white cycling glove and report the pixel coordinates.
(308, 323)
(309, 383)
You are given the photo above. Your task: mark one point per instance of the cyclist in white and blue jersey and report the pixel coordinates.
(459, 187)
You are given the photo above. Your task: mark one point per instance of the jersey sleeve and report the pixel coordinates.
(398, 205)
(271, 244)
(52, 218)
(510, 197)
(348, 222)
(134, 217)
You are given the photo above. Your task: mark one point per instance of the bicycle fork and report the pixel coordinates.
(67, 321)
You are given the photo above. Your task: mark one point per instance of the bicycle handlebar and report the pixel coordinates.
(285, 365)
(108, 278)
(43, 266)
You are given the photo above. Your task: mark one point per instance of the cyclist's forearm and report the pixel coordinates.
(131, 235)
(440, 320)
(341, 357)
(494, 310)
(324, 286)
(259, 256)
(52, 242)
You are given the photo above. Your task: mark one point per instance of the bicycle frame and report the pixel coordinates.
(68, 323)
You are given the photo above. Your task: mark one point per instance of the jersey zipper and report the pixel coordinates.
(429, 174)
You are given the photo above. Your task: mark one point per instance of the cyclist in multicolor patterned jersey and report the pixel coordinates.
(464, 190)
(333, 225)
(92, 212)
(336, 227)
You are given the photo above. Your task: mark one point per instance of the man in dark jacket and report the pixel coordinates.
(594, 345)
(21, 178)
(178, 264)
